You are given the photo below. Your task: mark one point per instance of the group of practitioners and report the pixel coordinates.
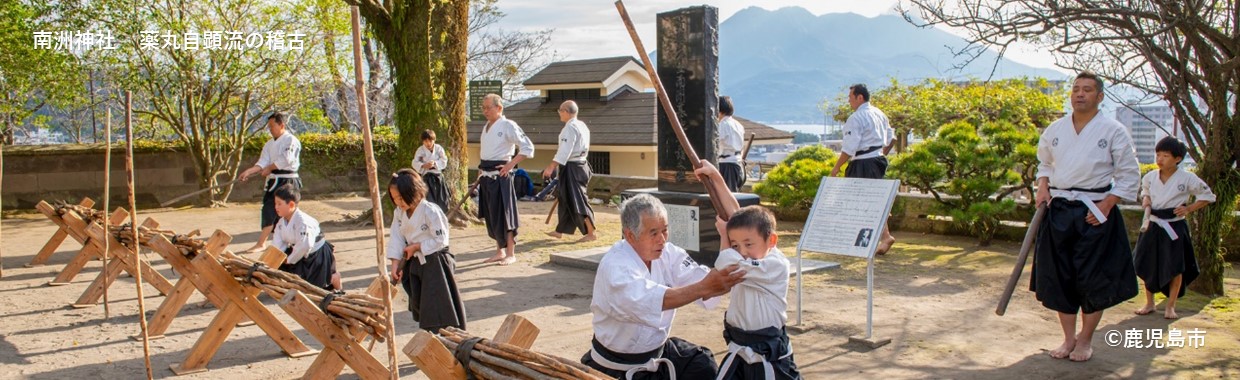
(1083, 263)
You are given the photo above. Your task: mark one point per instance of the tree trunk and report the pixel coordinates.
(414, 93)
(451, 39)
(1212, 222)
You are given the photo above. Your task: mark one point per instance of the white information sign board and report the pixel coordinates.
(848, 216)
(682, 226)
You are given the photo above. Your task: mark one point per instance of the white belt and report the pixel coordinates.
(751, 357)
(651, 365)
(271, 180)
(1083, 197)
(488, 173)
(1166, 225)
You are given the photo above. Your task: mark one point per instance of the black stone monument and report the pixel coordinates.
(688, 65)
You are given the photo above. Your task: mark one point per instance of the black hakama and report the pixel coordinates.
(1159, 259)
(434, 298)
(497, 203)
(733, 175)
(770, 342)
(689, 361)
(316, 268)
(269, 216)
(873, 168)
(436, 190)
(1080, 267)
(573, 195)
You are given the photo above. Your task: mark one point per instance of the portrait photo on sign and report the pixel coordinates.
(863, 237)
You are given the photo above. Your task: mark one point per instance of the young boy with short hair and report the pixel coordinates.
(310, 255)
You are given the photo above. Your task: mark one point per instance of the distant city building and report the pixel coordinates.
(1147, 125)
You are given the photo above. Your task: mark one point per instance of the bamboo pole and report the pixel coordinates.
(107, 195)
(372, 176)
(133, 222)
(1, 207)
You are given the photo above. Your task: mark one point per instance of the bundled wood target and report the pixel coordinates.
(352, 312)
(494, 360)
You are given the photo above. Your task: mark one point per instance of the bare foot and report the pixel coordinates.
(1145, 310)
(1082, 352)
(508, 260)
(590, 237)
(1170, 314)
(1064, 349)
(256, 248)
(885, 246)
(555, 235)
(498, 257)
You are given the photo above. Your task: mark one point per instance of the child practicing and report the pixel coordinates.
(430, 160)
(310, 256)
(1164, 254)
(753, 326)
(419, 236)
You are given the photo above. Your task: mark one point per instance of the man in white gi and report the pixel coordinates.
(574, 175)
(731, 144)
(1083, 263)
(868, 137)
(640, 283)
(279, 161)
(497, 199)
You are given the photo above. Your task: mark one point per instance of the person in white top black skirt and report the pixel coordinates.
(279, 161)
(310, 255)
(868, 137)
(497, 198)
(419, 236)
(1165, 258)
(574, 208)
(731, 144)
(430, 160)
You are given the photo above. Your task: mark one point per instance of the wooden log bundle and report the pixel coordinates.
(86, 213)
(494, 360)
(352, 312)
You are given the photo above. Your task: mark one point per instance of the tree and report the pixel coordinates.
(505, 55)
(31, 77)
(799, 137)
(213, 100)
(1184, 52)
(793, 183)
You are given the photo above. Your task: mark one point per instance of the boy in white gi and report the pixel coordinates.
(758, 345)
(430, 160)
(1165, 258)
(419, 238)
(279, 161)
(310, 255)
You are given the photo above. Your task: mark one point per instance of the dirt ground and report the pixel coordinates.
(934, 298)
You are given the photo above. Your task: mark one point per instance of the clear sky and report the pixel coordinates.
(592, 28)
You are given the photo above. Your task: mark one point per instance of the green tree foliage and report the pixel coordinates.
(794, 182)
(32, 78)
(799, 137)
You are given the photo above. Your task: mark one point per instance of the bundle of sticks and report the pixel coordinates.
(189, 245)
(492, 360)
(86, 213)
(352, 312)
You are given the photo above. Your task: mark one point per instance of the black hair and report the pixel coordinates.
(1173, 146)
(288, 193)
(859, 89)
(278, 117)
(428, 135)
(725, 105)
(1090, 75)
(756, 217)
(409, 185)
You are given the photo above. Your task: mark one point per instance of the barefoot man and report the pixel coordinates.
(574, 203)
(1083, 263)
(279, 161)
(868, 137)
(497, 199)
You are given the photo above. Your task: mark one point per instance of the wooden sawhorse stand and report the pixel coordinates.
(242, 302)
(339, 347)
(434, 359)
(59, 237)
(123, 259)
(84, 255)
(189, 282)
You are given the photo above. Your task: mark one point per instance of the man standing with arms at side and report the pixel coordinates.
(731, 143)
(868, 137)
(574, 203)
(1083, 263)
(497, 199)
(279, 161)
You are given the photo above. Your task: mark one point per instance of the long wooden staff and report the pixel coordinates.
(1025, 245)
(187, 195)
(748, 144)
(107, 195)
(133, 223)
(716, 189)
(372, 174)
(1, 187)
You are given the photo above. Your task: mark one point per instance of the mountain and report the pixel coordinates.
(778, 65)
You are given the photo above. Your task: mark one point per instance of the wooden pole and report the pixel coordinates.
(133, 222)
(1, 207)
(716, 190)
(107, 195)
(1031, 234)
(372, 174)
